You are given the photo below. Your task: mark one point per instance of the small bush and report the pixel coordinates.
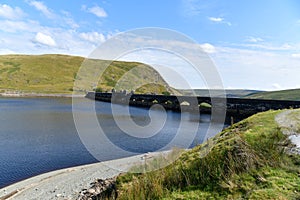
(98, 89)
(166, 93)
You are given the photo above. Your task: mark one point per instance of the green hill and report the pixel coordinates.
(235, 93)
(249, 160)
(293, 94)
(278, 95)
(57, 73)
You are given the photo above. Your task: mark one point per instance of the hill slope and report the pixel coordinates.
(278, 95)
(293, 94)
(249, 160)
(56, 74)
(237, 93)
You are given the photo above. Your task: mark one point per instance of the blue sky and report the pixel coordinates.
(255, 44)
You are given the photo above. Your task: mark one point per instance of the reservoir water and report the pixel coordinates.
(38, 135)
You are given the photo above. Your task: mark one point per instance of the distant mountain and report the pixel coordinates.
(293, 94)
(238, 93)
(56, 74)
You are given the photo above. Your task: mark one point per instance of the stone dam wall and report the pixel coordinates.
(236, 108)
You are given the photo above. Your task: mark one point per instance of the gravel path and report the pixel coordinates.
(289, 122)
(67, 183)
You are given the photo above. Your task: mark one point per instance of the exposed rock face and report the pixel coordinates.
(100, 190)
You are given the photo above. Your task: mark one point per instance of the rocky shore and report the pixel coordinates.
(100, 189)
(73, 183)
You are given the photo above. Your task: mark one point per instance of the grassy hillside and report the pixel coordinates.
(255, 94)
(56, 74)
(248, 160)
(229, 93)
(279, 95)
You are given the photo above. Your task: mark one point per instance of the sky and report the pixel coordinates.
(254, 44)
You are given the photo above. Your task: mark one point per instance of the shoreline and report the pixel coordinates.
(288, 121)
(67, 183)
(22, 95)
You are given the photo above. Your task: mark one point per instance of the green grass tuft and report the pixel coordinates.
(245, 161)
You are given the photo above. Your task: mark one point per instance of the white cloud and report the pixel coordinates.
(40, 6)
(219, 20)
(67, 18)
(93, 37)
(96, 10)
(70, 22)
(30, 37)
(254, 39)
(45, 39)
(64, 18)
(13, 26)
(296, 55)
(216, 19)
(11, 13)
(270, 46)
(256, 69)
(208, 48)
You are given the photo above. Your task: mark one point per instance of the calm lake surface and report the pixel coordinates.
(38, 135)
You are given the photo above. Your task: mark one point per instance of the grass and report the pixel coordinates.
(278, 95)
(266, 183)
(246, 161)
(204, 105)
(56, 74)
(255, 94)
(151, 88)
(238, 93)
